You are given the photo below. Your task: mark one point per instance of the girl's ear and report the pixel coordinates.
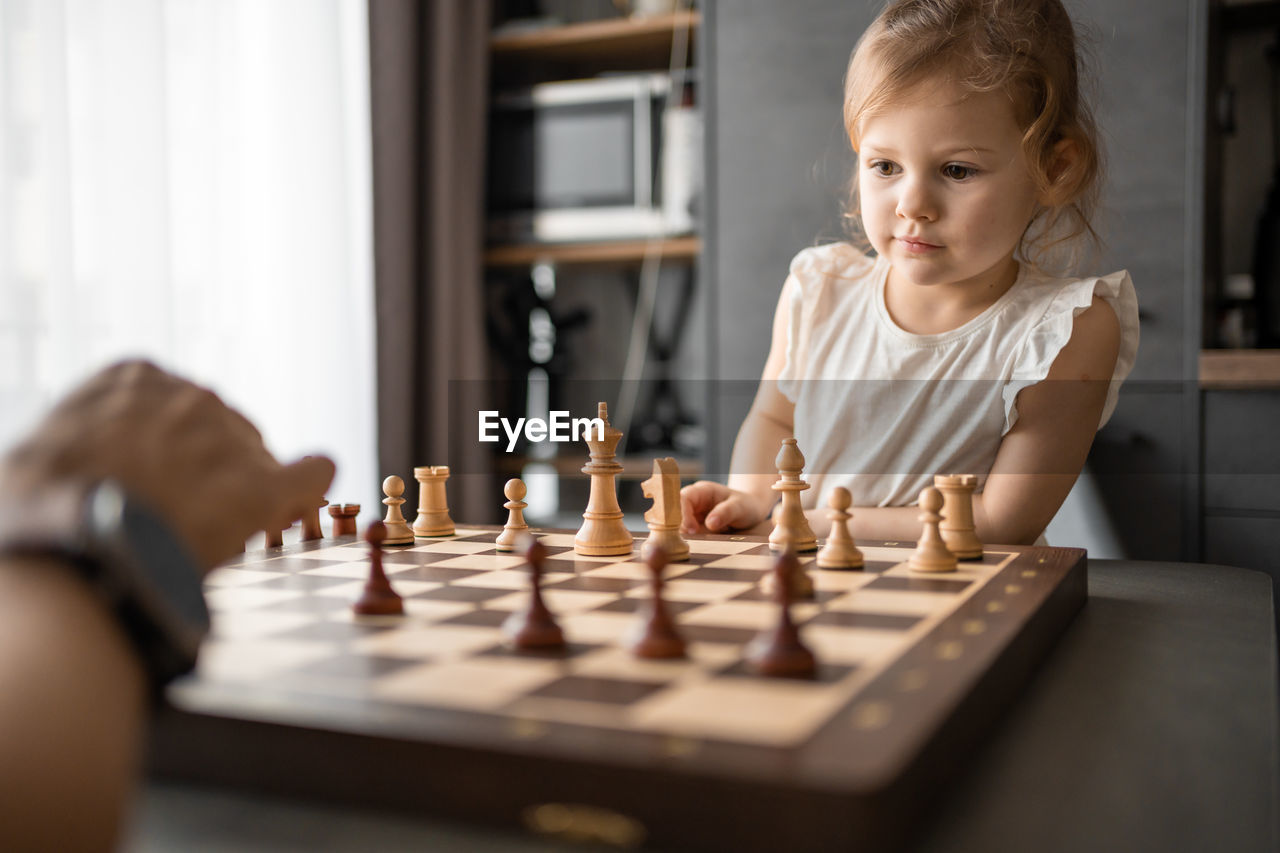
(1059, 166)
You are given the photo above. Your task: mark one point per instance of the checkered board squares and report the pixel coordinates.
(295, 693)
(282, 620)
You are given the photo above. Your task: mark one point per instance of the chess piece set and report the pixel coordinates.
(947, 536)
(433, 513)
(946, 514)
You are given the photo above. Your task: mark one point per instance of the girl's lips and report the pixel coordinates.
(917, 246)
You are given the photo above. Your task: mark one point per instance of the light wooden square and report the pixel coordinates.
(432, 641)
(251, 660)
(892, 602)
(479, 684)
(233, 576)
(678, 589)
(237, 597)
(247, 624)
(772, 712)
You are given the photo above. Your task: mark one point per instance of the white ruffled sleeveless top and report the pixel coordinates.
(879, 410)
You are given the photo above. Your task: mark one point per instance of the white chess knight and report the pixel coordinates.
(664, 518)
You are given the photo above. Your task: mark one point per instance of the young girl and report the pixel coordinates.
(952, 349)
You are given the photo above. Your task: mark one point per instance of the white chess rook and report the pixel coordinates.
(433, 505)
(957, 526)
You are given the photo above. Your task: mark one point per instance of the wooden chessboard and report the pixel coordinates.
(430, 711)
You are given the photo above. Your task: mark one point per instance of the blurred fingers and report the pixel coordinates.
(302, 484)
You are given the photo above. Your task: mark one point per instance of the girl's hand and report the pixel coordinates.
(710, 507)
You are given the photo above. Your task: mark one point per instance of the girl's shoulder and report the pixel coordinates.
(1046, 317)
(829, 263)
(1049, 300)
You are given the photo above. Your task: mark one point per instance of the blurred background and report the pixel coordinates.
(362, 221)
(190, 182)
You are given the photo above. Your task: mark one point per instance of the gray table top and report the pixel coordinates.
(1152, 726)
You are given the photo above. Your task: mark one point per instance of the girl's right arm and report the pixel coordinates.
(712, 507)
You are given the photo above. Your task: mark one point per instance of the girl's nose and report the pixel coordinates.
(915, 202)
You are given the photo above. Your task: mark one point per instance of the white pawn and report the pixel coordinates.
(931, 554)
(840, 552)
(398, 530)
(515, 490)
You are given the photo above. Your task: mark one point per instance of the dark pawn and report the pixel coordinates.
(780, 652)
(378, 599)
(658, 638)
(534, 628)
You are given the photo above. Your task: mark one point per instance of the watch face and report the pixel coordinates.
(153, 567)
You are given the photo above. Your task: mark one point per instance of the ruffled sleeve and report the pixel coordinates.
(1053, 330)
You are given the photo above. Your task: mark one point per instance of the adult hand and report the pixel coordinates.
(198, 463)
(712, 507)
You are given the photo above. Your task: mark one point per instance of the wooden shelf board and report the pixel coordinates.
(626, 251)
(1239, 369)
(592, 38)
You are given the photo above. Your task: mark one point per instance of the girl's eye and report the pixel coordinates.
(883, 168)
(957, 172)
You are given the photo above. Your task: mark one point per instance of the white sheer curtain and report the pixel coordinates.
(189, 180)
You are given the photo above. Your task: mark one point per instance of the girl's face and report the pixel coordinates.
(944, 187)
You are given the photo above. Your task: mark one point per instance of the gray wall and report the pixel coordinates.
(777, 168)
(778, 165)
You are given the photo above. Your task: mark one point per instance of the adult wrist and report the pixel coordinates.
(48, 592)
(130, 558)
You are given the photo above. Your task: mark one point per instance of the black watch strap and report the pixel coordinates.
(132, 559)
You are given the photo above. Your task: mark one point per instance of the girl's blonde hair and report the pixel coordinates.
(1026, 49)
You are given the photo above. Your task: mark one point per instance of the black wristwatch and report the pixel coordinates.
(133, 560)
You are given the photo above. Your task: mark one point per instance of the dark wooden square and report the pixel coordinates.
(717, 634)
(632, 605)
(826, 673)
(706, 573)
(608, 691)
(415, 558)
(570, 650)
(355, 666)
(885, 621)
(482, 618)
(463, 593)
(920, 584)
(590, 584)
(821, 596)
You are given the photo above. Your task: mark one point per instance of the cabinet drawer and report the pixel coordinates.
(1242, 450)
(1139, 466)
